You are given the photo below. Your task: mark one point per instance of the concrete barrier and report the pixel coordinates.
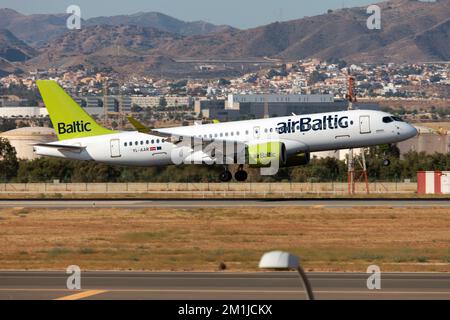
(205, 189)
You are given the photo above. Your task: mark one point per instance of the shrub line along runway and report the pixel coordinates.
(214, 203)
(220, 285)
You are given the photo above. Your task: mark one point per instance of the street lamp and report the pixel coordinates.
(285, 260)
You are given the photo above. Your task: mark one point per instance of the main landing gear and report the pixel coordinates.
(240, 175)
(225, 175)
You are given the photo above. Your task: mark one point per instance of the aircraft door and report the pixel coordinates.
(364, 124)
(115, 148)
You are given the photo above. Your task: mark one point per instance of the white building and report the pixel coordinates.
(23, 112)
(234, 100)
(37, 112)
(154, 101)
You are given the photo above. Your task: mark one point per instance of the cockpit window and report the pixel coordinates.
(387, 119)
(398, 119)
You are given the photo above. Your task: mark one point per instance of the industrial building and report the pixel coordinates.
(23, 139)
(428, 141)
(255, 106)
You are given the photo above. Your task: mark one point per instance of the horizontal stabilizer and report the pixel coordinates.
(60, 147)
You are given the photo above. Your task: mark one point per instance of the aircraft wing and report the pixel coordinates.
(140, 127)
(175, 138)
(212, 147)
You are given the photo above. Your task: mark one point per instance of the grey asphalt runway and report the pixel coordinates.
(169, 203)
(228, 286)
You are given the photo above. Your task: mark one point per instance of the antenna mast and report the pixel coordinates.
(361, 174)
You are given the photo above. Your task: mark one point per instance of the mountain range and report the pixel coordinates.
(412, 31)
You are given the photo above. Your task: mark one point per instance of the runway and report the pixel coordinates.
(227, 286)
(220, 203)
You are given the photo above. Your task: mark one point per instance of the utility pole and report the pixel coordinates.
(105, 101)
(352, 174)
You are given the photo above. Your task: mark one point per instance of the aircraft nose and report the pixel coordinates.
(411, 131)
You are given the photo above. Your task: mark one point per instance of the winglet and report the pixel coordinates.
(138, 125)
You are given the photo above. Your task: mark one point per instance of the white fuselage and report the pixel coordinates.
(308, 133)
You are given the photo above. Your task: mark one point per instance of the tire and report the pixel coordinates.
(241, 175)
(225, 176)
(386, 162)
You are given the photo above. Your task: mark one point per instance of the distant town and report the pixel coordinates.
(416, 91)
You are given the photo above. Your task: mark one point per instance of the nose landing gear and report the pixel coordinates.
(386, 161)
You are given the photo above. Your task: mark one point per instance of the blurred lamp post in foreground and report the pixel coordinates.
(285, 260)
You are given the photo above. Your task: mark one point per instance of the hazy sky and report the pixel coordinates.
(237, 13)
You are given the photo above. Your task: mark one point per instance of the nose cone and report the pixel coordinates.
(410, 131)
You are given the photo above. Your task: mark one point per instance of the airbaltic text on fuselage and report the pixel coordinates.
(76, 126)
(307, 124)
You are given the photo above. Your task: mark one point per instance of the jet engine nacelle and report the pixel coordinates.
(285, 152)
(298, 159)
(266, 153)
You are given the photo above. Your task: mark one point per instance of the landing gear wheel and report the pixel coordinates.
(386, 162)
(241, 175)
(225, 176)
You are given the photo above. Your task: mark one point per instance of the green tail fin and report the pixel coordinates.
(68, 118)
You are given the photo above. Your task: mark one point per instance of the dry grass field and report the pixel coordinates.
(327, 239)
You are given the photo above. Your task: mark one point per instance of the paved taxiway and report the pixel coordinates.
(211, 203)
(210, 285)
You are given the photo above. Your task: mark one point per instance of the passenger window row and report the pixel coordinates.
(222, 134)
(142, 142)
(232, 133)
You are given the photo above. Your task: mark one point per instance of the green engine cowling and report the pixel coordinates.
(264, 154)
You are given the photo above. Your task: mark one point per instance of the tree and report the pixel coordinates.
(8, 160)
(162, 102)
(316, 76)
(136, 108)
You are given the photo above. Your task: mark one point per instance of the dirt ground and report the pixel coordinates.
(326, 239)
(435, 125)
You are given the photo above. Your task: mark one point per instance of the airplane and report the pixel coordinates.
(288, 140)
